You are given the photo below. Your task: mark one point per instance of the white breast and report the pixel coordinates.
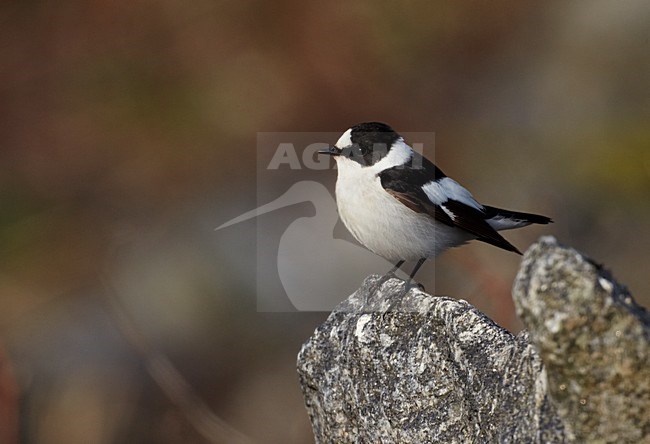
(381, 223)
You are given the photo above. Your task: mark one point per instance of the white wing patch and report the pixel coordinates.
(445, 189)
(502, 223)
(448, 211)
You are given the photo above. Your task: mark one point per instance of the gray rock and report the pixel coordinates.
(594, 342)
(433, 369)
(397, 365)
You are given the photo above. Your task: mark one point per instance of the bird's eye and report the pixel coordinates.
(356, 151)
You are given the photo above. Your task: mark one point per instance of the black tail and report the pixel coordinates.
(491, 212)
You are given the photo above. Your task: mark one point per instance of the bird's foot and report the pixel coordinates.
(408, 286)
(385, 278)
(381, 281)
(414, 284)
(374, 288)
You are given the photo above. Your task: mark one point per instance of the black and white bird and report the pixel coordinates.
(402, 207)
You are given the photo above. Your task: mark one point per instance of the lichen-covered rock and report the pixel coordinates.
(392, 366)
(397, 366)
(594, 341)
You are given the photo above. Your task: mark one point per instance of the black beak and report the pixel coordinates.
(331, 151)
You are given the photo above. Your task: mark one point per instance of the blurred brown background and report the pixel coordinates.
(128, 133)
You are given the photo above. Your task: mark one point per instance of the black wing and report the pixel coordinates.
(405, 184)
(472, 220)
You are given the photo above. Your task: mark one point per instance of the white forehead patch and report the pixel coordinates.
(345, 139)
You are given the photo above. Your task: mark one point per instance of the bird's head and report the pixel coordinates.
(366, 144)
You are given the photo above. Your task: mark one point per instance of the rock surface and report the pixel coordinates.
(396, 365)
(432, 370)
(594, 341)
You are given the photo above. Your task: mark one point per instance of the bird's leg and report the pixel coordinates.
(406, 285)
(386, 277)
(390, 274)
(415, 270)
(417, 267)
(395, 268)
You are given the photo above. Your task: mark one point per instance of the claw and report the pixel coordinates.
(419, 285)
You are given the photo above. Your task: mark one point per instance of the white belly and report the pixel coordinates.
(385, 226)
